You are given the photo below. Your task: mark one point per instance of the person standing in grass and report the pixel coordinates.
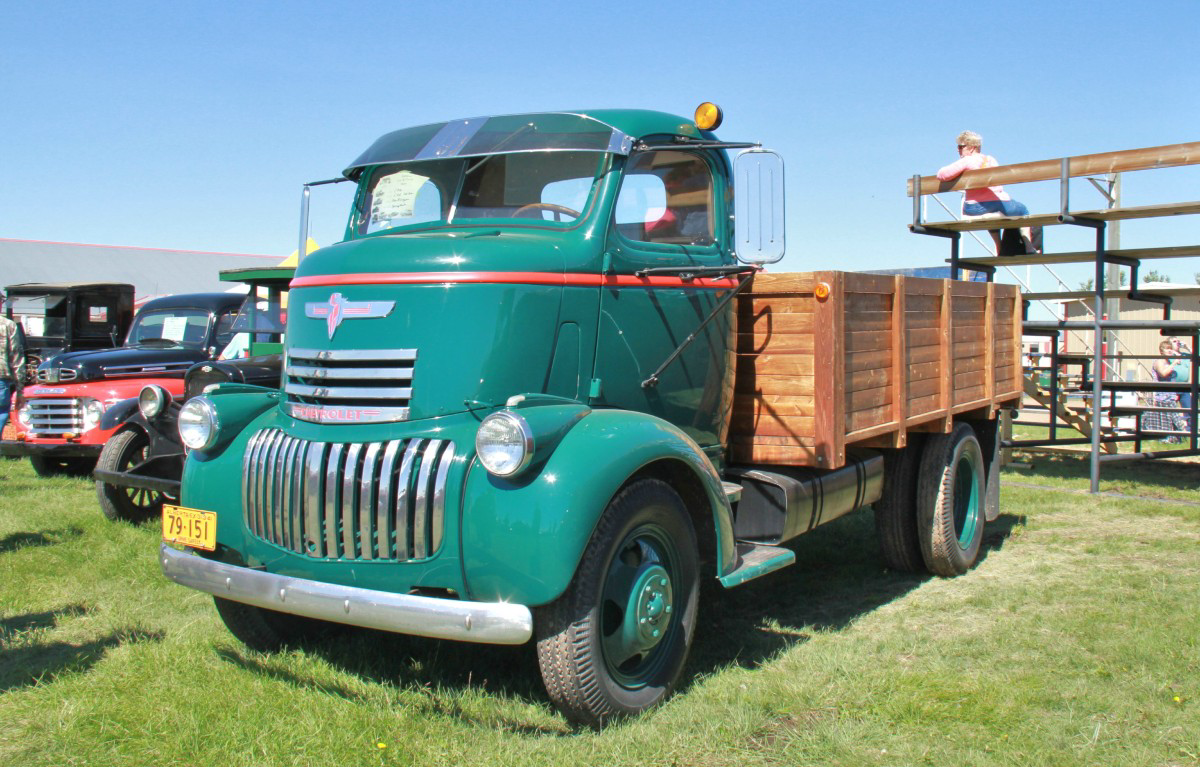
(12, 365)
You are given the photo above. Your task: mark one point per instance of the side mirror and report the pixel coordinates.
(758, 210)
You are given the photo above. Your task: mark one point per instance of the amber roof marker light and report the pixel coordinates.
(709, 116)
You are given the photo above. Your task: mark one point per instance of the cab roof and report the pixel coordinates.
(602, 130)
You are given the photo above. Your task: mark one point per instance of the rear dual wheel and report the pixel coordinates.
(615, 642)
(931, 514)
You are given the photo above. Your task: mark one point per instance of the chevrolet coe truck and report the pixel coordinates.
(542, 387)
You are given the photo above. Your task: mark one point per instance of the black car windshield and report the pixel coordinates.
(516, 189)
(186, 328)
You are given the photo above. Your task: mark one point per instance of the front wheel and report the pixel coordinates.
(53, 467)
(268, 630)
(950, 501)
(615, 642)
(131, 504)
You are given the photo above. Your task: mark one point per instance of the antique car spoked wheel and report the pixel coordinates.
(122, 452)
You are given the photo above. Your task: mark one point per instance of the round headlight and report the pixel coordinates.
(153, 400)
(198, 423)
(23, 415)
(504, 443)
(93, 411)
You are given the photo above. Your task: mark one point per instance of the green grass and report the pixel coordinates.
(1073, 642)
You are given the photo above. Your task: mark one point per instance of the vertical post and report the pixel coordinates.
(302, 251)
(916, 185)
(899, 361)
(954, 270)
(1113, 305)
(1064, 187)
(1098, 367)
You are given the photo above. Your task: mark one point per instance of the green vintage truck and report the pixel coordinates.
(544, 385)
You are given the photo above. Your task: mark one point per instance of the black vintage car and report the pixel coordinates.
(142, 462)
(69, 316)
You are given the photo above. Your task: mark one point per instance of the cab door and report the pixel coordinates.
(666, 217)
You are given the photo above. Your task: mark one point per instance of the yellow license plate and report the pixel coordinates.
(191, 527)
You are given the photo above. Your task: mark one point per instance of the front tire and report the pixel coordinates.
(56, 467)
(615, 642)
(131, 504)
(950, 501)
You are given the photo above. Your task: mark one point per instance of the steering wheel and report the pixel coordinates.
(556, 209)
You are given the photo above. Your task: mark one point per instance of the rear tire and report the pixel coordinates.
(950, 501)
(615, 642)
(121, 452)
(896, 510)
(268, 630)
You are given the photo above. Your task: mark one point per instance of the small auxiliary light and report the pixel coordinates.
(821, 291)
(708, 116)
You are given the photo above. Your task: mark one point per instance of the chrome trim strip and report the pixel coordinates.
(312, 497)
(403, 550)
(383, 499)
(345, 413)
(438, 513)
(272, 482)
(386, 374)
(332, 468)
(283, 511)
(421, 503)
(368, 355)
(366, 486)
(250, 482)
(349, 478)
(348, 392)
(484, 622)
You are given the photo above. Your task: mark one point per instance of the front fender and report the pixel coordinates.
(119, 413)
(522, 540)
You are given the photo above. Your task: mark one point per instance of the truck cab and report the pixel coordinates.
(69, 316)
(58, 423)
(506, 407)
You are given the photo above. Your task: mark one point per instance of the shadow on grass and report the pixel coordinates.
(838, 577)
(33, 621)
(41, 663)
(1171, 474)
(42, 538)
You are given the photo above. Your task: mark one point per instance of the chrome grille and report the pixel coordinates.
(353, 385)
(335, 500)
(53, 417)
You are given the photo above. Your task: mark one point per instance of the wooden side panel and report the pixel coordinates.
(878, 357)
(774, 402)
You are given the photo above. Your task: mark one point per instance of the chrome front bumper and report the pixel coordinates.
(483, 622)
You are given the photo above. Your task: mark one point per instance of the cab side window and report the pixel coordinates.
(666, 197)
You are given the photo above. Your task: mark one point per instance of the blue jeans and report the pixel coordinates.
(1007, 207)
(6, 393)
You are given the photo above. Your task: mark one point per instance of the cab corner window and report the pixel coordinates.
(666, 197)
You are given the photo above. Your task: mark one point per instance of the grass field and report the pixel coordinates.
(1075, 641)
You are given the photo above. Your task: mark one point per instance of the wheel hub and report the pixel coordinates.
(649, 610)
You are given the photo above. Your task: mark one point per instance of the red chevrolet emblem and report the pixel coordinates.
(338, 309)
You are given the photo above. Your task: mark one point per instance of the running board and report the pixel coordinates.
(756, 560)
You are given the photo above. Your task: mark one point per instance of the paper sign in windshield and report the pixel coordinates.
(174, 327)
(395, 197)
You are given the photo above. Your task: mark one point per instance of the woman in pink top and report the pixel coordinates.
(988, 199)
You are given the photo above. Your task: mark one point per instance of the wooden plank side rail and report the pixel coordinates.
(875, 358)
(1169, 156)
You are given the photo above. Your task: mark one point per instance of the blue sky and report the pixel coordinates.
(192, 125)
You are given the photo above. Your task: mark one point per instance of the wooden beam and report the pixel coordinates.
(1169, 156)
(976, 224)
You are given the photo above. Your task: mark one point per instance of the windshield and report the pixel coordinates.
(186, 328)
(517, 189)
(43, 316)
(261, 319)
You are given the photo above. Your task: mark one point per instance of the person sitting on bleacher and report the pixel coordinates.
(988, 200)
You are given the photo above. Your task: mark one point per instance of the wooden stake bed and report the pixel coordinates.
(878, 357)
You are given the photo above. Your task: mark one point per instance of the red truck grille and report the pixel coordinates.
(334, 500)
(55, 417)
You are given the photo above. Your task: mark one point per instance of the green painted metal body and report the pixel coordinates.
(562, 320)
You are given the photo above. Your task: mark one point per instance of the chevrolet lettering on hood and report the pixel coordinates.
(337, 308)
(326, 413)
